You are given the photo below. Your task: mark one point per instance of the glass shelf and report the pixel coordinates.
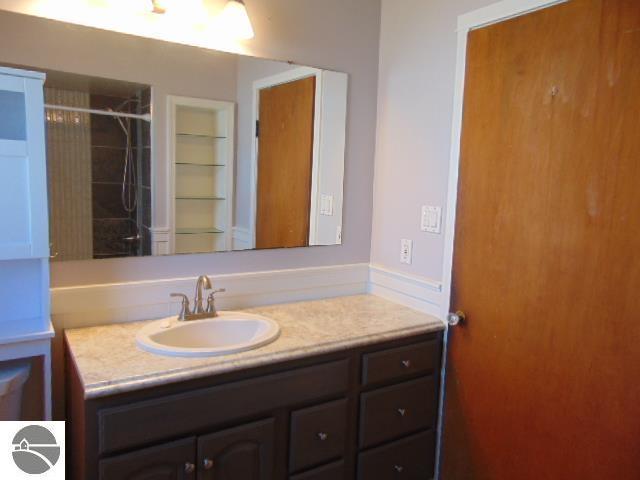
(202, 164)
(200, 135)
(199, 197)
(196, 231)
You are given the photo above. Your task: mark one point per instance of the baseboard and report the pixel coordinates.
(241, 238)
(91, 305)
(419, 293)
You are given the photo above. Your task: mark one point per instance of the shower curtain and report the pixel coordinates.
(69, 171)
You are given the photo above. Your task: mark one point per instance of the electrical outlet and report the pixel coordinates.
(406, 247)
(431, 219)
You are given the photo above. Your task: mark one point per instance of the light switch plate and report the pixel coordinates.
(431, 219)
(406, 250)
(326, 205)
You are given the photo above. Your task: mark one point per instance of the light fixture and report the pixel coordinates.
(234, 19)
(158, 6)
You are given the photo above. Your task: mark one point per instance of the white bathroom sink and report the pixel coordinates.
(230, 332)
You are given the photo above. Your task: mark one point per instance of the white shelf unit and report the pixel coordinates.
(25, 324)
(201, 134)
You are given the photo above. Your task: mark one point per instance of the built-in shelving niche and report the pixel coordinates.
(203, 138)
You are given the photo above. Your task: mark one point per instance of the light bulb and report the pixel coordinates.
(234, 20)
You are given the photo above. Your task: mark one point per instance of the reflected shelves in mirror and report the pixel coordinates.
(198, 231)
(197, 164)
(200, 135)
(199, 197)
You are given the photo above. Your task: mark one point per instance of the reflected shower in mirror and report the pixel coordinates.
(98, 159)
(157, 148)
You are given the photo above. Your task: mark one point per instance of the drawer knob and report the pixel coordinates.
(323, 436)
(398, 468)
(402, 412)
(189, 467)
(406, 363)
(207, 464)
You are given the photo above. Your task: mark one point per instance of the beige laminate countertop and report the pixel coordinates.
(109, 361)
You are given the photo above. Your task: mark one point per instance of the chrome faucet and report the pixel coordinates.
(202, 283)
(199, 311)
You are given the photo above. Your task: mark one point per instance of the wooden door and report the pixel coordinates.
(542, 380)
(285, 161)
(242, 453)
(171, 461)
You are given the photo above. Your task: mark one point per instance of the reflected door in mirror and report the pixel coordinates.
(285, 161)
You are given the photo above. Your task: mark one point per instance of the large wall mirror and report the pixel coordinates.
(166, 149)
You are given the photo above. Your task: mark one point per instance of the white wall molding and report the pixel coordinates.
(241, 238)
(420, 293)
(100, 304)
(160, 240)
(90, 305)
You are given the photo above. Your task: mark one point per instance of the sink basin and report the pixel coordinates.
(230, 332)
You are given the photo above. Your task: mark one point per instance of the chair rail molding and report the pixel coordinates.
(100, 304)
(420, 293)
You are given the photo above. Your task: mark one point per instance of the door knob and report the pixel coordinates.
(189, 467)
(454, 319)
(207, 464)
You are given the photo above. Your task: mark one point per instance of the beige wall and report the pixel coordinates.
(415, 108)
(335, 34)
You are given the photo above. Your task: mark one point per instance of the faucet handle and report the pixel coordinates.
(184, 311)
(211, 306)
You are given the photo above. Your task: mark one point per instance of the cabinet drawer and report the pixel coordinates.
(318, 434)
(398, 363)
(145, 422)
(333, 471)
(412, 458)
(390, 412)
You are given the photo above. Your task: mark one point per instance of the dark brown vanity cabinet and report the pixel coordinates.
(367, 413)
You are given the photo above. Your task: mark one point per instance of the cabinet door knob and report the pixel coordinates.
(207, 464)
(406, 363)
(323, 436)
(402, 412)
(189, 467)
(398, 468)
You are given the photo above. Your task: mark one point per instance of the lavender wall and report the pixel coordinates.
(334, 34)
(415, 107)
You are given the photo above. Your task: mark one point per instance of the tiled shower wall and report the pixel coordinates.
(143, 156)
(117, 232)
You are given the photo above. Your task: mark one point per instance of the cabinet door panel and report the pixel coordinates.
(170, 461)
(23, 190)
(241, 453)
